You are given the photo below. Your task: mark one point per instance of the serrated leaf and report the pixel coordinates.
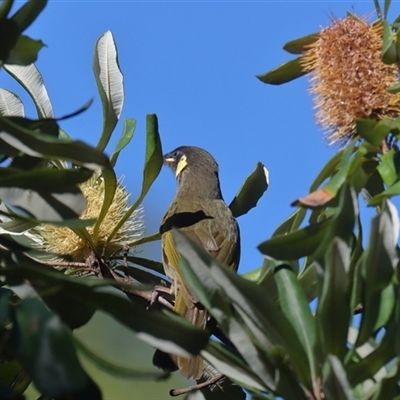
(284, 73)
(109, 81)
(31, 80)
(298, 46)
(10, 104)
(251, 191)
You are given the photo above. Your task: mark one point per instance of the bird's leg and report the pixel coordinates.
(158, 289)
(212, 381)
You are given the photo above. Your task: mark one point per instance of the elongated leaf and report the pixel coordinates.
(231, 365)
(152, 166)
(378, 267)
(375, 132)
(41, 145)
(114, 369)
(110, 186)
(127, 134)
(5, 8)
(46, 205)
(284, 73)
(162, 329)
(109, 81)
(146, 239)
(292, 223)
(213, 284)
(31, 80)
(336, 384)
(386, 8)
(28, 13)
(25, 51)
(10, 104)
(335, 300)
(44, 342)
(393, 190)
(298, 46)
(389, 168)
(251, 191)
(322, 196)
(295, 307)
(389, 53)
(43, 179)
(297, 244)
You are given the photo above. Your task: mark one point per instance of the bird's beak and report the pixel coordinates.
(168, 160)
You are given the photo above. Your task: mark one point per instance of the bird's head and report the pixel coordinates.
(195, 170)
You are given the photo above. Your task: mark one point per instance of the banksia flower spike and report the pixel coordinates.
(63, 241)
(348, 78)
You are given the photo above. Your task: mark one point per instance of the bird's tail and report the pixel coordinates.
(192, 367)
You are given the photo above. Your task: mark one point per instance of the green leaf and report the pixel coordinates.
(213, 285)
(251, 191)
(336, 384)
(127, 134)
(45, 146)
(146, 239)
(389, 167)
(396, 87)
(329, 169)
(31, 80)
(114, 369)
(335, 300)
(298, 46)
(152, 166)
(44, 342)
(378, 265)
(43, 179)
(110, 186)
(109, 81)
(28, 13)
(389, 53)
(375, 132)
(232, 366)
(295, 245)
(284, 73)
(292, 223)
(25, 51)
(5, 8)
(10, 104)
(165, 330)
(393, 190)
(295, 307)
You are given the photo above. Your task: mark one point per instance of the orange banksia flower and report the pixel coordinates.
(63, 241)
(348, 78)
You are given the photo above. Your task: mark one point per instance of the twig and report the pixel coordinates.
(212, 381)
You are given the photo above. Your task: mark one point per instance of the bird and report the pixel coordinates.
(199, 211)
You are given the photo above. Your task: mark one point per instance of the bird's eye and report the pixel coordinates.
(175, 154)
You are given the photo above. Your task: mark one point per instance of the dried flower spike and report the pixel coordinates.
(348, 78)
(63, 241)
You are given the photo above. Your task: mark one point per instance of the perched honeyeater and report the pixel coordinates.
(199, 211)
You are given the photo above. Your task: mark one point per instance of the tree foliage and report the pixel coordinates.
(272, 342)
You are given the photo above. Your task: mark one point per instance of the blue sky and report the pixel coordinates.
(194, 65)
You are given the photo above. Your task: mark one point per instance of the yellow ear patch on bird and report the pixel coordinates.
(182, 163)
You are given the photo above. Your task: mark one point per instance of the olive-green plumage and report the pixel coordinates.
(198, 210)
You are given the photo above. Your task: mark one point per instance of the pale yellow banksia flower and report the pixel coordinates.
(63, 241)
(348, 78)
